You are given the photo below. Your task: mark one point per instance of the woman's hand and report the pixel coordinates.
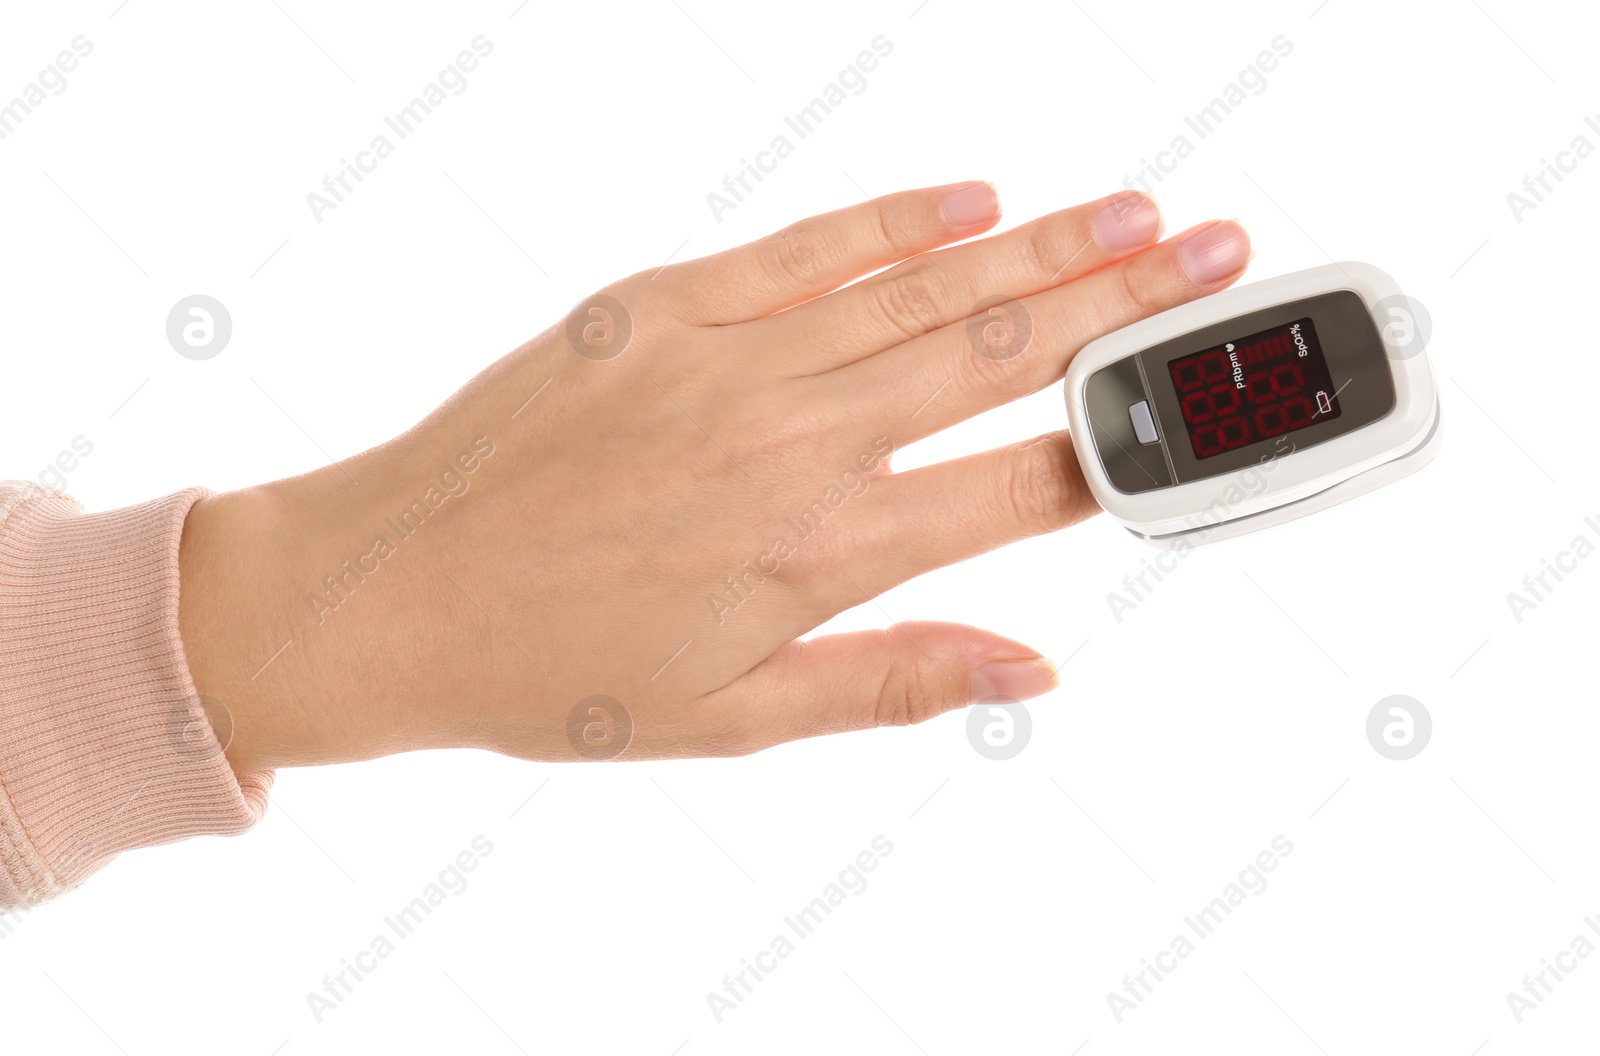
(609, 542)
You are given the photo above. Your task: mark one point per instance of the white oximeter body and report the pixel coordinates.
(1254, 406)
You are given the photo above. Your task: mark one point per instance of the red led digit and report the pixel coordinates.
(1208, 441)
(1254, 388)
(1262, 386)
(1222, 398)
(1288, 378)
(1273, 420)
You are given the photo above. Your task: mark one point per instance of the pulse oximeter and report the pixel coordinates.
(1254, 406)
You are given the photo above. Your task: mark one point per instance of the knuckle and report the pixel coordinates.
(909, 301)
(1140, 291)
(890, 236)
(910, 693)
(1045, 249)
(642, 294)
(984, 377)
(801, 256)
(1040, 489)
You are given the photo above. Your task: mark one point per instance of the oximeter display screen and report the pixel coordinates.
(1254, 388)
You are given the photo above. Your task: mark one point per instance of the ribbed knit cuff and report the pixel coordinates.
(104, 744)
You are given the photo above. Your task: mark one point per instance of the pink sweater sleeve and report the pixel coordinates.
(104, 745)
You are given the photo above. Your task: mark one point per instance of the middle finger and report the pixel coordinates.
(947, 376)
(931, 290)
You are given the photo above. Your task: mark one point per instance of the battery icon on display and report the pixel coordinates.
(1324, 402)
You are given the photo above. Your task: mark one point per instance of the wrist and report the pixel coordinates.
(257, 659)
(311, 654)
(219, 565)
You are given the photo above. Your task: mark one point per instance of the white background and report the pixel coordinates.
(1227, 709)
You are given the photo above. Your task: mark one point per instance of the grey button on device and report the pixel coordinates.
(1144, 424)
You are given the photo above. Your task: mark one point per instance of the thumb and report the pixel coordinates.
(908, 673)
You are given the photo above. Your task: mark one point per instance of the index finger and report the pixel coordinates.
(932, 382)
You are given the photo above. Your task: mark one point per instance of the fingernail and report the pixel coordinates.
(976, 204)
(1015, 679)
(1215, 252)
(1128, 222)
